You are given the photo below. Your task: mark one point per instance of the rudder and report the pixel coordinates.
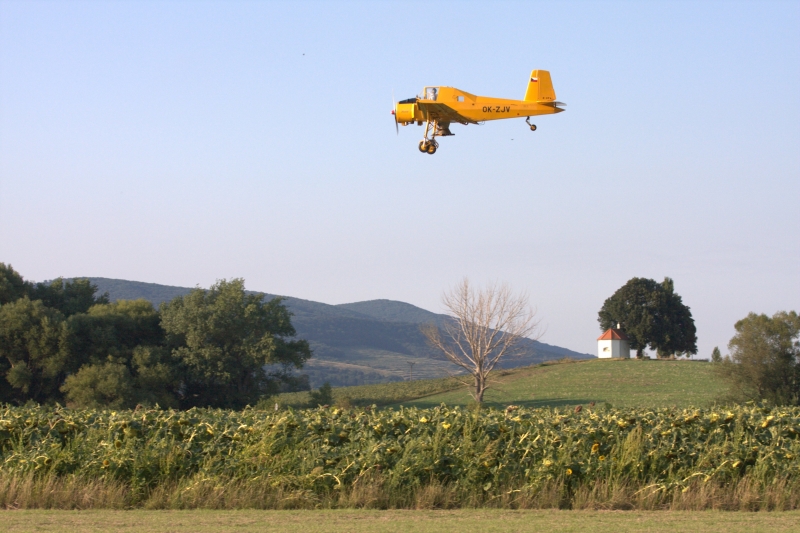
(540, 87)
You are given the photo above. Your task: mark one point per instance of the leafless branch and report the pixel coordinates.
(486, 326)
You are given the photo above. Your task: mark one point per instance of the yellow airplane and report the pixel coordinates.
(438, 107)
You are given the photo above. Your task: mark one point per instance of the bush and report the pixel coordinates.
(322, 396)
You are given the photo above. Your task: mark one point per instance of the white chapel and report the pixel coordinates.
(613, 343)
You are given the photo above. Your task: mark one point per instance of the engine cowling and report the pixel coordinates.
(406, 113)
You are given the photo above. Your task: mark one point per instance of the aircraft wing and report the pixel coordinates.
(556, 105)
(443, 113)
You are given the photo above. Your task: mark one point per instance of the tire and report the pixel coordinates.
(423, 147)
(431, 148)
(533, 127)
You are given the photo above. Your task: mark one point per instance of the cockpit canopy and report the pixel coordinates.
(429, 93)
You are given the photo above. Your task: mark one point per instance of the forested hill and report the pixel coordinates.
(393, 311)
(356, 343)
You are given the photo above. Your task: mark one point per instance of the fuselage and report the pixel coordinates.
(475, 108)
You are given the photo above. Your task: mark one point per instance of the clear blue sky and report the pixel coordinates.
(183, 142)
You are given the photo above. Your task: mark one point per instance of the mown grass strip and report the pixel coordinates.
(489, 521)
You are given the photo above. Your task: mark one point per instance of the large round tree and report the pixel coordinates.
(223, 338)
(652, 315)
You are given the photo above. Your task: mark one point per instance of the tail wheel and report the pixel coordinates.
(533, 127)
(423, 146)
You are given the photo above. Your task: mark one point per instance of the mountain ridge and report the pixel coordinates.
(356, 343)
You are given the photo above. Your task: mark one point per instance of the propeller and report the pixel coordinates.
(394, 114)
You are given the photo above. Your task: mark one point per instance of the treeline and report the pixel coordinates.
(62, 342)
(764, 359)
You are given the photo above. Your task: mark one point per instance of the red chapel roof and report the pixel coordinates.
(613, 335)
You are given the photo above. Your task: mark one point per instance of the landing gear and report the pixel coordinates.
(428, 147)
(428, 143)
(533, 126)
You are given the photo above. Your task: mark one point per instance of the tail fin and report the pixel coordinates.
(540, 87)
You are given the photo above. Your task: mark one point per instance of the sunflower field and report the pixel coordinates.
(485, 453)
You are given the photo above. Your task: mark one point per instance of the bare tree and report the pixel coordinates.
(486, 325)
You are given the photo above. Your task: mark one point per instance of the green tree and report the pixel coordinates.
(765, 357)
(33, 351)
(677, 334)
(120, 343)
(716, 356)
(101, 386)
(113, 330)
(223, 338)
(12, 286)
(651, 314)
(322, 396)
(70, 296)
(155, 376)
(148, 378)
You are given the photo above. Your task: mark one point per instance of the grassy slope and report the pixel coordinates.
(486, 520)
(622, 383)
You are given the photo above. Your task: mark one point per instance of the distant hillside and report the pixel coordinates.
(376, 341)
(393, 311)
(120, 289)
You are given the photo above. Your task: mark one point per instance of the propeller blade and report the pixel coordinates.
(394, 114)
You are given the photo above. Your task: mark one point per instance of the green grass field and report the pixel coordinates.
(485, 521)
(622, 383)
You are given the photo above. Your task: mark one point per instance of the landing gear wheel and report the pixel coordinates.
(431, 148)
(423, 146)
(533, 127)
(528, 122)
